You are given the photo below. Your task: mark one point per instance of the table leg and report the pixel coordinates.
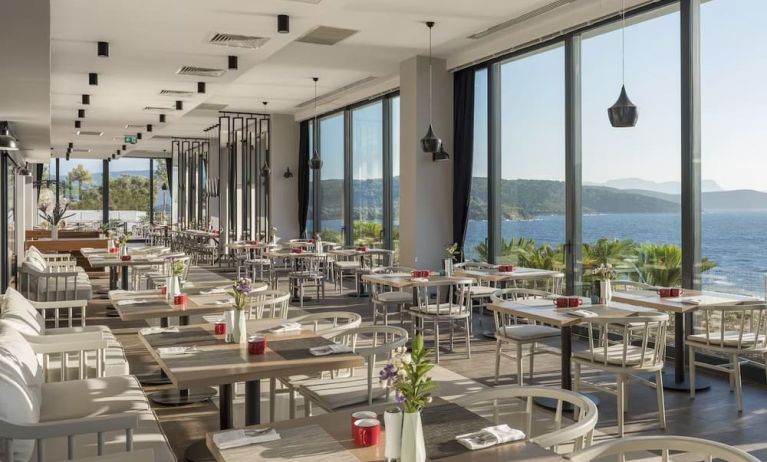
(111, 311)
(252, 402)
(677, 381)
(198, 451)
(157, 377)
(125, 281)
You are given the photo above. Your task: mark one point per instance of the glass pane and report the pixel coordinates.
(733, 146)
(367, 174)
(80, 186)
(533, 160)
(631, 176)
(395, 153)
(310, 214)
(475, 246)
(129, 195)
(332, 178)
(161, 193)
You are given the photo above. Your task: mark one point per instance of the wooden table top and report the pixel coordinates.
(543, 310)
(651, 299)
(356, 252)
(217, 362)
(399, 281)
(518, 273)
(289, 254)
(337, 426)
(97, 261)
(152, 304)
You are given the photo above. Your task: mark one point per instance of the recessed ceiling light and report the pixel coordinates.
(200, 87)
(103, 49)
(86, 99)
(93, 78)
(232, 63)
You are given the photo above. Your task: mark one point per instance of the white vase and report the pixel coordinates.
(413, 448)
(54, 232)
(123, 250)
(448, 264)
(605, 291)
(393, 443)
(174, 286)
(236, 329)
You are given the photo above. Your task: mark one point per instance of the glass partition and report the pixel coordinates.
(395, 162)
(332, 195)
(475, 245)
(367, 175)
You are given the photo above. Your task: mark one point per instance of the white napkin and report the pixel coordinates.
(174, 351)
(213, 318)
(490, 436)
(287, 327)
(223, 301)
(241, 437)
(158, 330)
(690, 300)
(217, 290)
(419, 279)
(333, 349)
(130, 302)
(583, 314)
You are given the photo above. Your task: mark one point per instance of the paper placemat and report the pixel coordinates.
(296, 348)
(303, 444)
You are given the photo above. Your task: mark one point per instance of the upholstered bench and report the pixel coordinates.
(48, 277)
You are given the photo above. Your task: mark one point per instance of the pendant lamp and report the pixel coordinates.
(315, 163)
(623, 113)
(430, 142)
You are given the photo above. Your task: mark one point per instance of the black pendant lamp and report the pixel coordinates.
(441, 154)
(430, 142)
(265, 170)
(315, 163)
(623, 114)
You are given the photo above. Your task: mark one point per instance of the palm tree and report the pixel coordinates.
(79, 175)
(605, 251)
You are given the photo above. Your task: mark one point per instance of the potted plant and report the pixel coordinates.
(450, 253)
(174, 280)
(408, 375)
(235, 318)
(103, 230)
(605, 273)
(124, 244)
(56, 217)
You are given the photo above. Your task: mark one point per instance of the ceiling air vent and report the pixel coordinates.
(240, 41)
(156, 108)
(324, 35)
(211, 107)
(331, 96)
(81, 150)
(313, 2)
(200, 71)
(88, 133)
(141, 126)
(177, 93)
(522, 18)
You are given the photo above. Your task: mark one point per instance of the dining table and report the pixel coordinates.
(328, 438)
(502, 279)
(682, 307)
(360, 254)
(139, 256)
(211, 361)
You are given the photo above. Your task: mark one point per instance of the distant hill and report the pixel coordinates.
(739, 199)
(119, 173)
(666, 187)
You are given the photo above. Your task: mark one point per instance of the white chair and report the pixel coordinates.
(508, 330)
(53, 277)
(579, 431)
(731, 331)
(370, 342)
(382, 299)
(625, 359)
(308, 273)
(443, 304)
(480, 292)
(649, 446)
(269, 304)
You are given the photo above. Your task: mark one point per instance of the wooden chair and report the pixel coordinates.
(308, 273)
(269, 304)
(706, 450)
(508, 330)
(580, 432)
(450, 305)
(731, 331)
(382, 299)
(626, 360)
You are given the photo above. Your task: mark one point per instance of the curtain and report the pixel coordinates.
(463, 158)
(303, 176)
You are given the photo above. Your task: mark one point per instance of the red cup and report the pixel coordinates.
(113, 250)
(367, 432)
(164, 290)
(664, 292)
(574, 302)
(125, 258)
(256, 344)
(359, 415)
(180, 299)
(219, 328)
(562, 302)
(675, 291)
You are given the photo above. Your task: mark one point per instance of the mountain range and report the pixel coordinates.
(667, 187)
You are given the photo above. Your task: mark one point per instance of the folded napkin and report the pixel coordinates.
(333, 349)
(158, 330)
(287, 327)
(490, 436)
(213, 318)
(689, 300)
(242, 437)
(130, 302)
(223, 301)
(583, 313)
(173, 351)
(216, 290)
(419, 279)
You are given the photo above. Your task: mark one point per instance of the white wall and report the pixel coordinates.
(283, 202)
(426, 187)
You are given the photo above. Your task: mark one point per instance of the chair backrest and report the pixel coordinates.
(648, 446)
(474, 265)
(649, 354)
(269, 304)
(579, 432)
(450, 299)
(739, 327)
(622, 285)
(502, 295)
(329, 324)
(21, 314)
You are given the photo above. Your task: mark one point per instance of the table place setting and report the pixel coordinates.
(215, 290)
(333, 349)
(158, 330)
(244, 437)
(169, 352)
(490, 436)
(131, 302)
(286, 327)
(581, 313)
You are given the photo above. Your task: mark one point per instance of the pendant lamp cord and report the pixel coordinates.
(430, 78)
(623, 42)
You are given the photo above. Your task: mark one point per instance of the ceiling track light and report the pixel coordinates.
(200, 87)
(86, 99)
(430, 143)
(114, 156)
(123, 147)
(283, 23)
(149, 127)
(93, 78)
(103, 49)
(138, 135)
(77, 124)
(232, 62)
(179, 105)
(162, 118)
(315, 163)
(81, 113)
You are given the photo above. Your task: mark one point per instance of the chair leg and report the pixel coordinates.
(498, 348)
(520, 373)
(468, 338)
(738, 383)
(291, 403)
(436, 339)
(272, 398)
(577, 378)
(532, 360)
(307, 407)
(691, 365)
(661, 399)
(621, 403)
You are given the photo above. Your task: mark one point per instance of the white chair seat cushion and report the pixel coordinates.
(441, 309)
(338, 393)
(482, 291)
(528, 332)
(21, 313)
(102, 396)
(394, 297)
(614, 356)
(730, 339)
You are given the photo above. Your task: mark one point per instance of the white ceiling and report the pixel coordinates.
(149, 40)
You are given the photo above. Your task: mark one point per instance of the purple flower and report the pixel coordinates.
(387, 373)
(399, 397)
(243, 286)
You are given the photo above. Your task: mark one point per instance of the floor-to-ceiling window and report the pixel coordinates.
(631, 176)
(80, 188)
(129, 193)
(332, 195)
(310, 230)
(395, 162)
(475, 245)
(733, 146)
(367, 174)
(161, 197)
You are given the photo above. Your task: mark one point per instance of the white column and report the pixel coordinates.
(283, 199)
(426, 187)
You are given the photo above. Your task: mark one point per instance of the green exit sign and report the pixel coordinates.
(130, 139)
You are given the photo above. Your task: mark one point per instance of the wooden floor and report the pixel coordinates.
(711, 415)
